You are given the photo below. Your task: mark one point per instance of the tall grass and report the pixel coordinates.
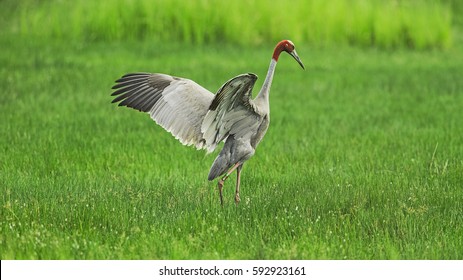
(385, 24)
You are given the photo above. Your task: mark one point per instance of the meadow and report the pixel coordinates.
(421, 24)
(363, 158)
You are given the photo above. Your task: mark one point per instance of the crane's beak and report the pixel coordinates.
(296, 57)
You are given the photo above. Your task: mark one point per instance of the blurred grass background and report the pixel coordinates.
(418, 24)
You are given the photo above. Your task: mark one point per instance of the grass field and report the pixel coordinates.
(420, 24)
(363, 158)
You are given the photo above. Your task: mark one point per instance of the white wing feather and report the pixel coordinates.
(176, 104)
(191, 113)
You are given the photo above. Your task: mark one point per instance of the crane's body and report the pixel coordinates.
(195, 116)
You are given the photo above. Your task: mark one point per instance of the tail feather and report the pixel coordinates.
(219, 167)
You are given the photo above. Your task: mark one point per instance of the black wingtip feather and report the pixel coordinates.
(129, 82)
(125, 89)
(140, 91)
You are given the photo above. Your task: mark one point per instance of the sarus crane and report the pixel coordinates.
(195, 116)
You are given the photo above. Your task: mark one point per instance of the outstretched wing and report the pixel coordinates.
(231, 112)
(178, 105)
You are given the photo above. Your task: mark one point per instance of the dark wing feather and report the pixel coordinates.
(232, 112)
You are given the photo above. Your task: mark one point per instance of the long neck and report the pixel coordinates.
(263, 95)
(262, 98)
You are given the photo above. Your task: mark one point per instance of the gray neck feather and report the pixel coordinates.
(265, 90)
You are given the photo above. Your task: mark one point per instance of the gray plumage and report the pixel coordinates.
(196, 117)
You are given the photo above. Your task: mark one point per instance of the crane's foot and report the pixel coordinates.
(237, 198)
(220, 186)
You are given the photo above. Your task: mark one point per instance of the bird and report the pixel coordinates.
(197, 117)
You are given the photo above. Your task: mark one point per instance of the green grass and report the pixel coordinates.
(386, 24)
(363, 158)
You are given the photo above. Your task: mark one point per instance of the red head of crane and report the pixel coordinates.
(195, 116)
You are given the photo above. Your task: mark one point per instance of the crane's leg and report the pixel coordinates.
(222, 181)
(220, 185)
(238, 177)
